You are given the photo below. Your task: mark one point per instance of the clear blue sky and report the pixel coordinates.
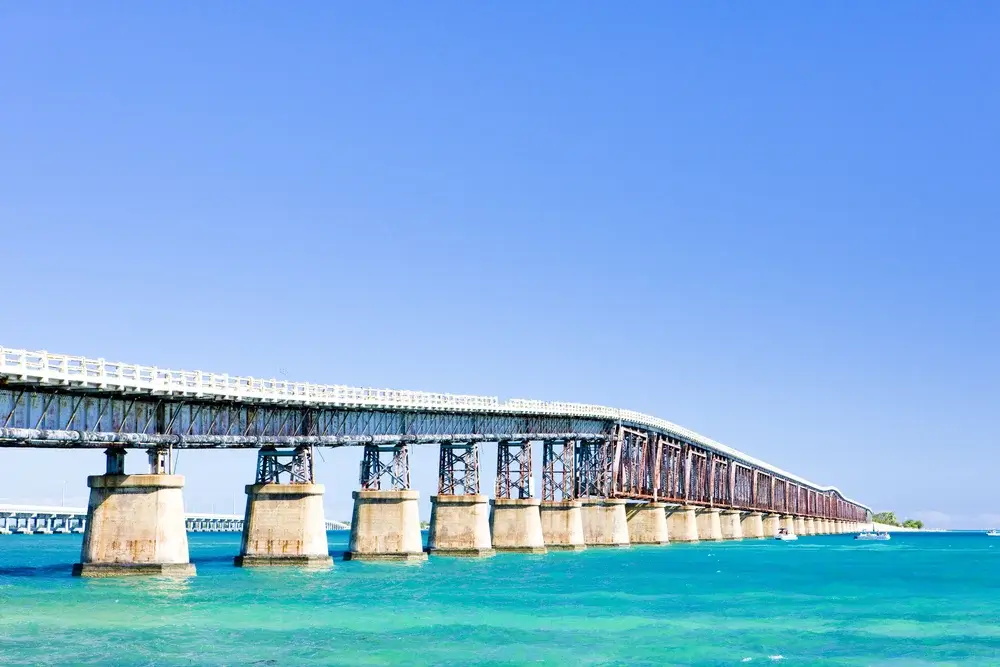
(774, 223)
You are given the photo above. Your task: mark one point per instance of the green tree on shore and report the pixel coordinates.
(889, 519)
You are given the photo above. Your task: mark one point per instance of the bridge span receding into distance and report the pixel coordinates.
(610, 477)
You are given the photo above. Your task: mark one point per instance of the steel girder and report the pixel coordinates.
(458, 469)
(609, 459)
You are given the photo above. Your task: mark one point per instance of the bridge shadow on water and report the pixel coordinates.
(51, 570)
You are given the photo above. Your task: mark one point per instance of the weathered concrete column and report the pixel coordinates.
(709, 524)
(800, 525)
(788, 523)
(460, 526)
(562, 525)
(284, 525)
(385, 526)
(810, 526)
(515, 515)
(135, 523)
(604, 522)
(732, 528)
(682, 524)
(516, 525)
(771, 524)
(752, 524)
(647, 523)
(460, 516)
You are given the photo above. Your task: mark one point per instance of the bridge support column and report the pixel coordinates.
(771, 524)
(562, 525)
(516, 524)
(385, 524)
(647, 523)
(682, 524)
(732, 528)
(561, 514)
(800, 525)
(135, 523)
(788, 523)
(284, 522)
(460, 526)
(709, 524)
(752, 524)
(515, 518)
(460, 516)
(810, 526)
(605, 523)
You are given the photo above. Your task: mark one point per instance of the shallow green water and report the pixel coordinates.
(919, 599)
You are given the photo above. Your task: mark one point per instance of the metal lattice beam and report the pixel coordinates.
(514, 470)
(558, 470)
(458, 469)
(385, 468)
(296, 464)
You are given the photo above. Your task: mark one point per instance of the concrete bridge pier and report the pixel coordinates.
(800, 525)
(562, 525)
(560, 512)
(752, 524)
(460, 516)
(515, 517)
(732, 528)
(385, 524)
(647, 523)
(788, 523)
(682, 523)
(810, 526)
(605, 522)
(771, 524)
(709, 524)
(284, 522)
(135, 523)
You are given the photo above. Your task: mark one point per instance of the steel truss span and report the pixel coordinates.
(49, 400)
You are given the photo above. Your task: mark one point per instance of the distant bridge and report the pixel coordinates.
(47, 520)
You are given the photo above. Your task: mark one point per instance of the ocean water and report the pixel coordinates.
(917, 600)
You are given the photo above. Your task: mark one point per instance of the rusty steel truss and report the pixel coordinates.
(582, 457)
(296, 464)
(458, 469)
(385, 468)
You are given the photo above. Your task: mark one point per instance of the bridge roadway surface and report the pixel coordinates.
(51, 400)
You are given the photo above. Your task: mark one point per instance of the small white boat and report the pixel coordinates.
(785, 536)
(873, 535)
(993, 533)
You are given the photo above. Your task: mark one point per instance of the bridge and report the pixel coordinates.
(49, 520)
(610, 477)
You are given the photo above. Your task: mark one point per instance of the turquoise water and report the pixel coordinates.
(917, 600)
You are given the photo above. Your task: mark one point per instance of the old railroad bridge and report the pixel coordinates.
(610, 477)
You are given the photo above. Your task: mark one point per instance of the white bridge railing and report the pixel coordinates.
(61, 369)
